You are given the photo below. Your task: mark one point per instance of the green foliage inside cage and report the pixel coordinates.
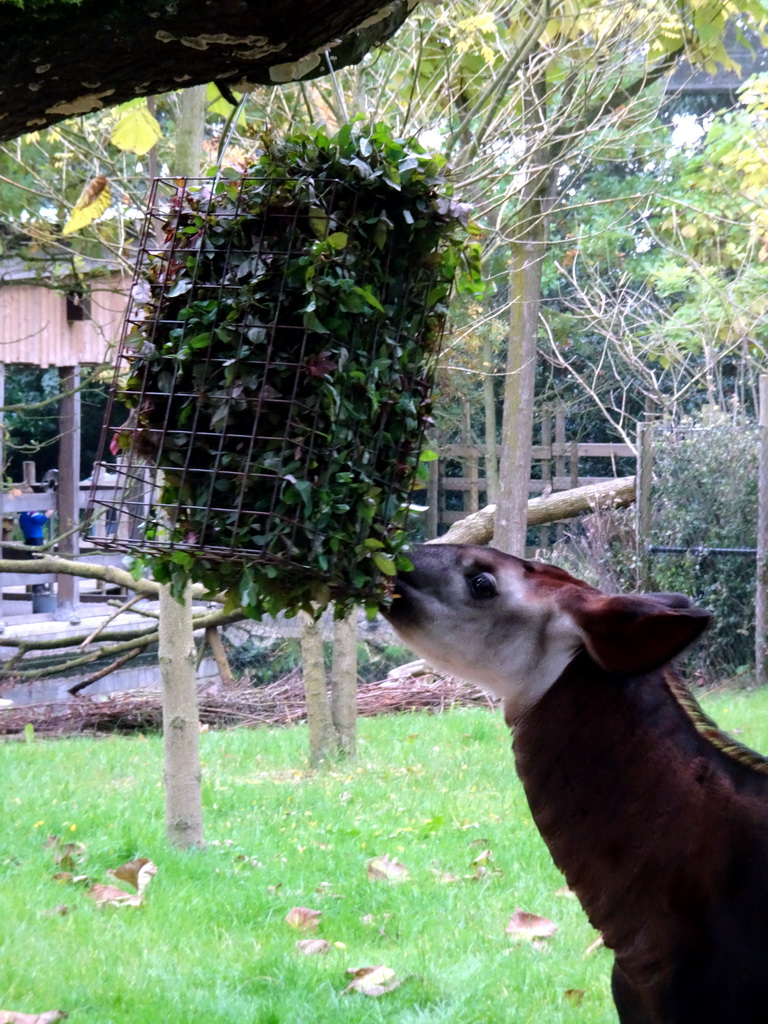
(281, 371)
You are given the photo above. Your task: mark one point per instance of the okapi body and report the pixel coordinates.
(658, 821)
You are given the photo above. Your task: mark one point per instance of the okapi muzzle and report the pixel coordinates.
(658, 820)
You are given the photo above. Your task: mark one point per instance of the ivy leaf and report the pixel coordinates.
(384, 564)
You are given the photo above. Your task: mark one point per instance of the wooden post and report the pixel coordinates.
(489, 399)
(546, 468)
(2, 476)
(644, 505)
(68, 495)
(433, 500)
(574, 463)
(470, 461)
(761, 597)
(559, 459)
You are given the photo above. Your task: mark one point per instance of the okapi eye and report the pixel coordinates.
(482, 586)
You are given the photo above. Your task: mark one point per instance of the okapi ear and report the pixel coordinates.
(634, 635)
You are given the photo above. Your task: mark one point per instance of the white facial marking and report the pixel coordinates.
(514, 643)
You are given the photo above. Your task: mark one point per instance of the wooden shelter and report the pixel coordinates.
(56, 320)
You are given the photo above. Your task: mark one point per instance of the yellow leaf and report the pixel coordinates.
(689, 231)
(137, 131)
(93, 201)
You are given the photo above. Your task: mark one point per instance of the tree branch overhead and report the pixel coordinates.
(61, 59)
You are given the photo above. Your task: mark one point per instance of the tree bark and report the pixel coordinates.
(181, 726)
(217, 649)
(344, 683)
(190, 131)
(65, 59)
(322, 738)
(178, 662)
(479, 528)
(527, 254)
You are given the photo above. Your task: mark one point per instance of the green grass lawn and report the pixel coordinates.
(211, 944)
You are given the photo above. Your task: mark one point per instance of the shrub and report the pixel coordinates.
(705, 496)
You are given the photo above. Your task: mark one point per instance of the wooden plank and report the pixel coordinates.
(2, 495)
(471, 462)
(69, 487)
(23, 579)
(457, 484)
(546, 470)
(433, 500)
(644, 506)
(586, 450)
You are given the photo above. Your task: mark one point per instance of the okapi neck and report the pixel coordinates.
(626, 794)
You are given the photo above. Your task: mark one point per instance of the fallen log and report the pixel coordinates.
(478, 527)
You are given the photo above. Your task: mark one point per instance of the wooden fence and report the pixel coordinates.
(51, 595)
(457, 482)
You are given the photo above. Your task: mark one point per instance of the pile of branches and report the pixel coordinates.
(280, 703)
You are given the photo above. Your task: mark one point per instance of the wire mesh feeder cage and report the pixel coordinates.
(276, 363)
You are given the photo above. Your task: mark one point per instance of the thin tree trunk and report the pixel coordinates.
(190, 131)
(527, 253)
(322, 737)
(181, 724)
(489, 399)
(217, 649)
(344, 683)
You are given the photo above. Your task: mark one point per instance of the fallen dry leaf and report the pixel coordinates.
(523, 925)
(372, 981)
(569, 894)
(138, 873)
(13, 1017)
(309, 947)
(110, 895)
(388, 869)
(304, 918)
(593, 947)
(574, 995)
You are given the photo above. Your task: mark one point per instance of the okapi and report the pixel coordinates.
(658, 820)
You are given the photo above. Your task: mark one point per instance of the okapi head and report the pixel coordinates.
(512, 626)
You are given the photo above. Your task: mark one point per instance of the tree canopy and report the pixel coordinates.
(60, 58)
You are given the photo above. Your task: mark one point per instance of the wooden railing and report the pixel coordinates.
(451, 496)
(16, 587)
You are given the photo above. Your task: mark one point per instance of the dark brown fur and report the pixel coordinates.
(662, 836)
(657, 819)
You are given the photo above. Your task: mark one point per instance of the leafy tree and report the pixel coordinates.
(659, 305)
